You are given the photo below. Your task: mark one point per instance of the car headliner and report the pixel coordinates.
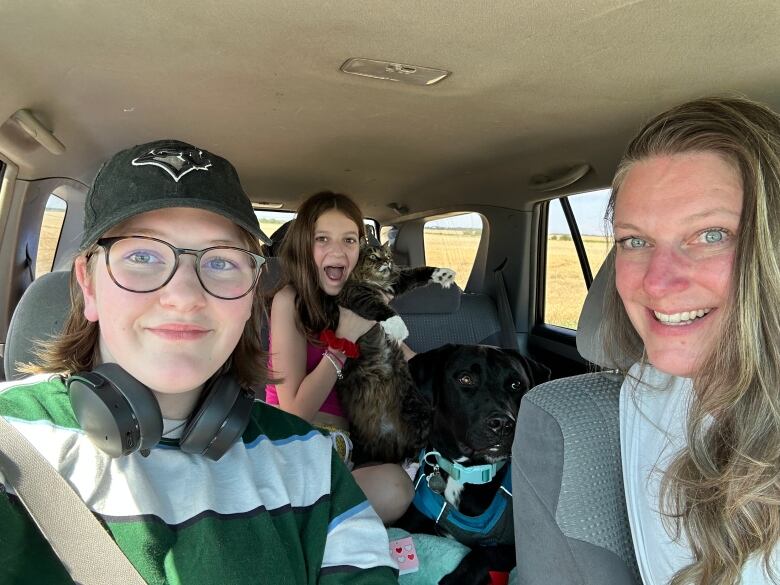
(535, 87)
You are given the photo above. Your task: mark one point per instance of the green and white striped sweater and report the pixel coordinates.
(277, 508)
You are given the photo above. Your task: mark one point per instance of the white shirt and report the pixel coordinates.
(653, 415)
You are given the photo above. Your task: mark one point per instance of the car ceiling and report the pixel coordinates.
(536, 86)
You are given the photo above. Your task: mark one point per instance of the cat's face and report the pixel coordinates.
(375, 263)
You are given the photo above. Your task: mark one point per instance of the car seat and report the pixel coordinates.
(571, 524)
(39, 315)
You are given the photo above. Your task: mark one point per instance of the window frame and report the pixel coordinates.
(542, 327)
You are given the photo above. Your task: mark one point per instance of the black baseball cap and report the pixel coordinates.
(160, 174)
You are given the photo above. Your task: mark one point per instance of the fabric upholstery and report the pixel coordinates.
(271, 274)
(590, 334)
(429, 299)
(39, 315)
(571, 524)
(475, 321)
(570, 516)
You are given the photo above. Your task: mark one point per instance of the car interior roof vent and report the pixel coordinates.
(392, 71)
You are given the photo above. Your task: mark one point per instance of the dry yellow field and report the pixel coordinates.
(50, 234)
(565, 288)
(451, 249)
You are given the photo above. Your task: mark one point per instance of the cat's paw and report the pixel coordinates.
(444, 276)
(395, 328)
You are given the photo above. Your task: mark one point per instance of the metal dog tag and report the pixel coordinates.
(436, 481)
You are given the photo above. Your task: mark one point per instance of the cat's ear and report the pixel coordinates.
(386, 246)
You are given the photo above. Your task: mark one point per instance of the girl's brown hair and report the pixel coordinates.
(297, 257)
(723, 490)
(76, 348)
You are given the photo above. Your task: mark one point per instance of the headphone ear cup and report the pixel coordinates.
(118, 413)
(219, 420)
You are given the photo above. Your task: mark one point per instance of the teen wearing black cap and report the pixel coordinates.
(142, 403)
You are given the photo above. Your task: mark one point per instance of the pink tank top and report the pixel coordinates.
(313, 357)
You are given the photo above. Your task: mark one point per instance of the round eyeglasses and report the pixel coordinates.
(142, 264)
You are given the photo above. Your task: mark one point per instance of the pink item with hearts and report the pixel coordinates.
(404, 555)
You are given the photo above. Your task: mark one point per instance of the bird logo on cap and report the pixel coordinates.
(175, 161)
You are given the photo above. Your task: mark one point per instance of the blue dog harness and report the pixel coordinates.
(494, 526)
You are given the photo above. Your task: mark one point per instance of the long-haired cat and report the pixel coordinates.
(389, 418)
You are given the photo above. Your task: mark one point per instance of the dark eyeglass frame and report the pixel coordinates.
(106, 244)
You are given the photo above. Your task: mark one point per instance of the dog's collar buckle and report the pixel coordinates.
(476, 474)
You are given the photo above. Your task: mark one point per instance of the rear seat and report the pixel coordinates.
(435, 316)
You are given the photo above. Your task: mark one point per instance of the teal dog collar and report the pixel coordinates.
(477, 474)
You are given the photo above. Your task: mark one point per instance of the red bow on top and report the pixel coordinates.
(348, 348)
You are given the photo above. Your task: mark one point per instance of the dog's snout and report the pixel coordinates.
(501, 424)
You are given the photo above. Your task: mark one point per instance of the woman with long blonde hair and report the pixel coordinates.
(695, 303)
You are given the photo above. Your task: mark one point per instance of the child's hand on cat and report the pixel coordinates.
(351, 325)
(444, 276)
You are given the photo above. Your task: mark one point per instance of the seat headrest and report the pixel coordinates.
(589, 330)
(431, 299)
(40, 314)
(371, 238)
(272, 273)
(276, 238)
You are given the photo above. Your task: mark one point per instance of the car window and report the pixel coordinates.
(566, 279)
(452, 242)
(270, 221)
(51, 228)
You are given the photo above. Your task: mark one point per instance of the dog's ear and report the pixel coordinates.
(537, 373)
(423, 368)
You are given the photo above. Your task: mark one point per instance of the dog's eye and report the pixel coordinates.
(517, 385)
(466, 379)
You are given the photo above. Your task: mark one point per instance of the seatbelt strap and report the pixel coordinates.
(508, 334)
(85, 548)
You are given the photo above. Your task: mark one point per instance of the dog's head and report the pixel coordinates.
(475, 391)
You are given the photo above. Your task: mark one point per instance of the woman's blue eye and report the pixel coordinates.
(631, 243)
(713, 236)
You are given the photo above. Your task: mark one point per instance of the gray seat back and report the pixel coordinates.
(435, 316)
(571, 524)
(39, 315)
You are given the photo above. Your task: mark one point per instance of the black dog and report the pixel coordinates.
(475, 392)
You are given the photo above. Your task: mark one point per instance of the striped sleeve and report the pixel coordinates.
(357, 550)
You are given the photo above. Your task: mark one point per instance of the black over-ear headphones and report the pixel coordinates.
(120, 415)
